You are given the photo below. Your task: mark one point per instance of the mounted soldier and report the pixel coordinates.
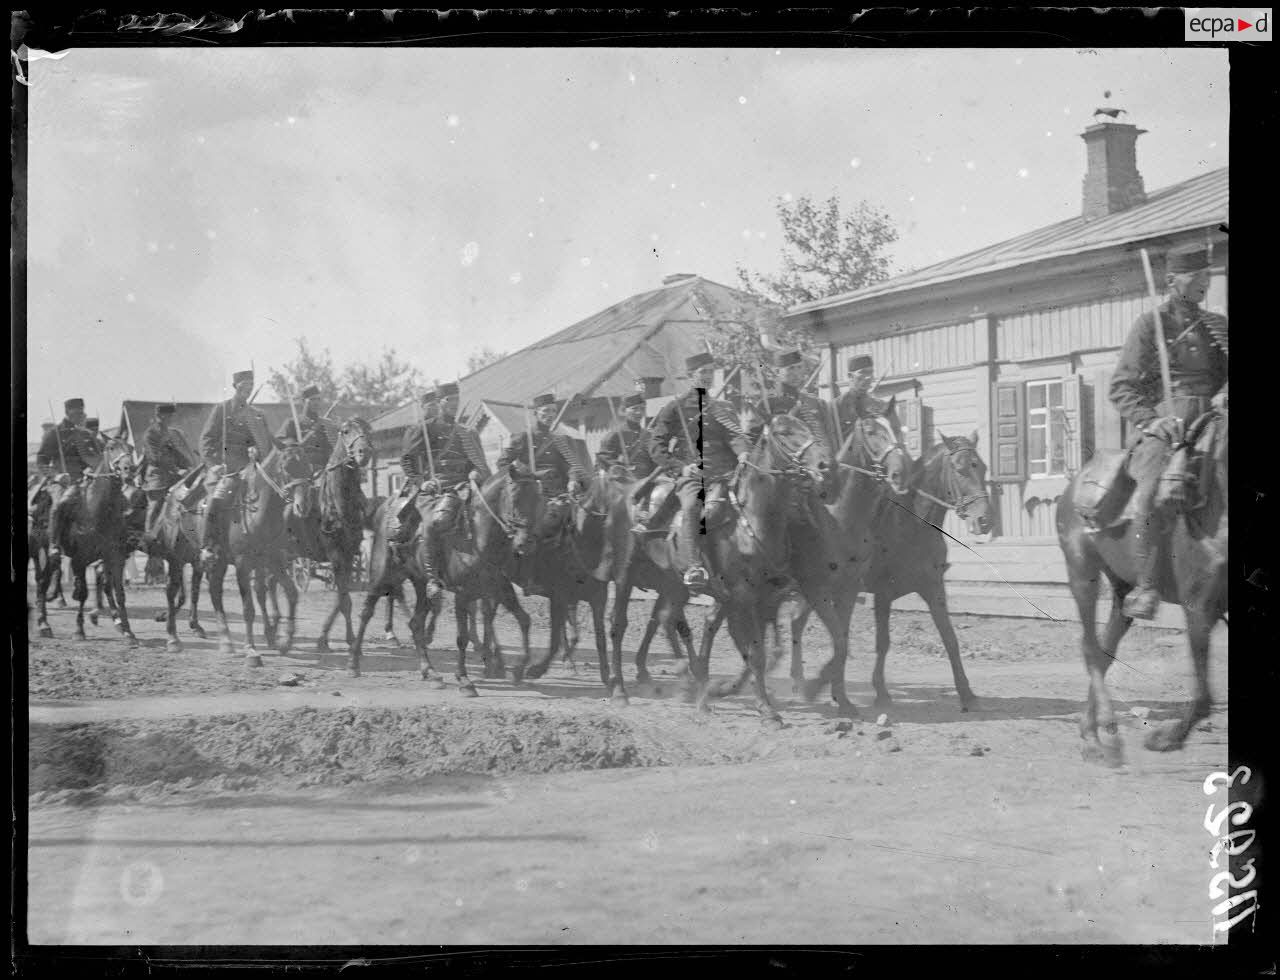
(94, 425)
(1196, 341)
(316, 438)
(792, 399)
(69, 449)
(857, 402)
(233, 428)
(456, 459)
(166, 458)
(627, 444)
(700, 441)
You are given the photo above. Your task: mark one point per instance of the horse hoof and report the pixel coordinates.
(434, 682)
(391, 640)
(847, 710)
(199, 631)
(517, 674)
(132, 641)
(161, 617)
(322, 646)
(772, 723)
(62, 603)
(353, 671)
(620, 699)
(1166, 738)
(174, 646)
(284, 646)
(226, 648)
(46, 632)
(970, 704)
(643, 677)
(80, 635)
(811, 690)
(468, 690)
(252, 660)
(93, 618)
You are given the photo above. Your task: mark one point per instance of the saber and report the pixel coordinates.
(293, 407)
(128, 424)
(622, 439)
(331, 407)
(426, 436)
(1161, 349)
(812, 377)
(727, 378)
(883, 374)
(57, 434)
(563, 408)
(764, 392)
(528, 421)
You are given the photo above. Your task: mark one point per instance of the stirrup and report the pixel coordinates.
(696, 578)
(208, 554)
(434, 587)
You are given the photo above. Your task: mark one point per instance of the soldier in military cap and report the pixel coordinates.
(70, 450)
(316, 439)
(233, 428)
(791, 399)
(166, 458)
(557, 463)
(459, 460)
(857, 402)
(402, 512)
(701, 468)
(1196, 340)
(627, 444)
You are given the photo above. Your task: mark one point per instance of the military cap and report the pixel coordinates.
(92, 424)
(547, 399)
(166, 408)
(1187, 258)
(447, 389)
(636, 399)
(429, 396)
(46, 426)
(74, 404)
(859, 363)
(240, 377)
(698, 360)
(790, 357)
(310, 391)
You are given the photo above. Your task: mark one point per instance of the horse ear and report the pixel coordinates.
(942, 438)
(973, 438)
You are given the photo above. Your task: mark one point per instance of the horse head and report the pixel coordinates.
(804, 458)
(519, 506)
(354, 446)
(874, 447)
(964, 483)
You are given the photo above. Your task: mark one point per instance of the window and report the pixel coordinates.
(1046, 429)
(1035, 428)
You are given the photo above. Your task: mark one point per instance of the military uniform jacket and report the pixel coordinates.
(555, 458)
(316, 442)
(1196, 341)
(164, 453)
(79, 447)
(245, 427)
(796, 403)
(635, 440)
(455, 450)
(851, 407)
(710, 422)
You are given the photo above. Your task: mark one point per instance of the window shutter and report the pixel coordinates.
(1008, 432)
(912, 419)
(1072, 418)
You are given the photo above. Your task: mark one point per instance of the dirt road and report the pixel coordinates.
(182, 798)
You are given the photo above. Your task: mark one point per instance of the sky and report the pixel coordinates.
(193, 211)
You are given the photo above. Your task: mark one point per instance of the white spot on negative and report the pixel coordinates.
(1048, 132)
(470, 252)
(199, 139)
(855, 163)
(1213, 144)
(911, 198)
(651, 841)
(702, 204)
(1023, 172)
(631, 77)
(141, 883)
(585, 260)
(970, 165)
(760, 235)
(211, 234)
(130, 298)
(291, 120)
(653, 176)
(746, 233)
(452, 120)
(530, 234)
(742, 100)
(515, 278)
(522, 884)
(153, 247)
(786, 196)
(593, 145)
(673, 186)
(653, 236)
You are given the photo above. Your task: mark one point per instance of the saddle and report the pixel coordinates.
(1103, 488)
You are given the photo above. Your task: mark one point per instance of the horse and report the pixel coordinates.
(500, 514)
(748, 557)
(94, 530)
(478, 569)
(910, 552)
(255, 544)
(175, 541)
(333, 531)
(1192, 574)
(39, 503)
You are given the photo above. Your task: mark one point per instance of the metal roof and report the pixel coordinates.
(647, 335)
(1196, 203)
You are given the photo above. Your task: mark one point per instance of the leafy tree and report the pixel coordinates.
(370, 388)
(482, 358)
(308, 368)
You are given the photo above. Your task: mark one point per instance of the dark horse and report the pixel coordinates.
(910, 552)
(500, 514)
(91, 531)
(749, 555)
(331, 529)
(175, 540)
(39, 504)
(1193, 574)
(255, 543)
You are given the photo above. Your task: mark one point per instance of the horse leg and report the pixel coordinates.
(757, 660)
(462, 619)
(245, 583)
(260, 591)
(559, 613)
(98, 604)
(217, 583)
(617, 630)
(366, 613)
(799, 620)
(1098, 710)
(494, 665)
(571, 635)
(936, 599)
(197, 573)
(420, 610)
(79, 593)
(1171, 735)
(650, 630)
(171, 589)
(508, 598)
(345, 578)
(883, 607)
(598, 602)
(44, 575)
(285, 635)
(388, 631)
(115, 579)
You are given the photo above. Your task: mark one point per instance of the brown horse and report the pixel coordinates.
(910, 552)
(175, 541)
(1193, 574)
(500, 514)
(91, 531)
(749, 556)
(255, 544)
(331, 528)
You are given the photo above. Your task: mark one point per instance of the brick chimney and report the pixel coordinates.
(1111, 180)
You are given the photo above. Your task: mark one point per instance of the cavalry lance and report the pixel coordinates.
(1161, 349)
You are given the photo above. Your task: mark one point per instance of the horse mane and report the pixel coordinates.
(342, 499)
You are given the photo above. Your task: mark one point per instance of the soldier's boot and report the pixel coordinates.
(212, 528)
(59, 516)
(658, 519)
(695, 576)
(1144, 600)
(432, 560)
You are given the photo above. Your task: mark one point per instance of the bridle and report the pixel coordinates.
(877, 470)
(349, 459)
(512, 524)
(958, 501)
